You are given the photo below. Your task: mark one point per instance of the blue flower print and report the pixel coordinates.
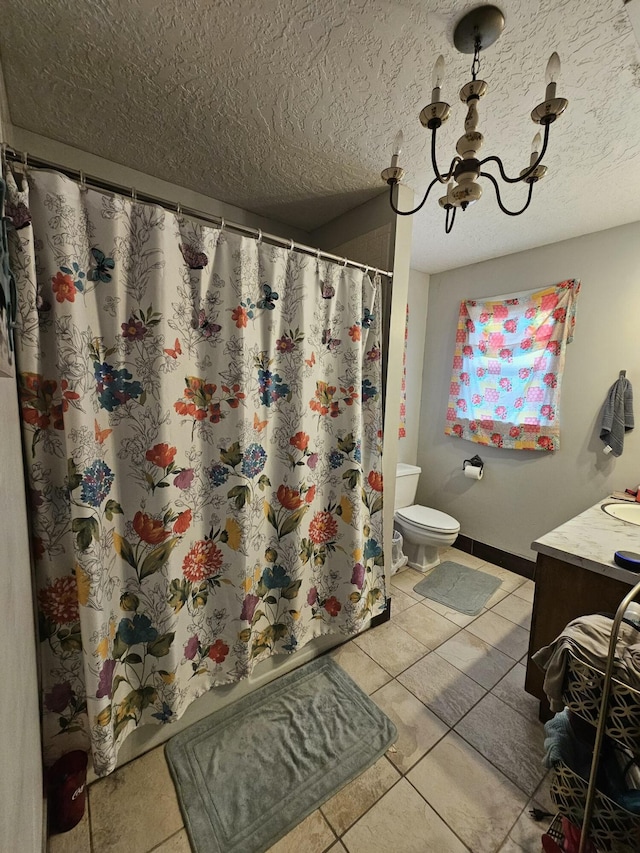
(271, 386)
(253, 460)
(367, 319)
(357, 452)
(113, 386)
(371, 549)
(275, 578)
(218, 475)
(97, 480)
(335, 459)
(138, 630)
(369, 391)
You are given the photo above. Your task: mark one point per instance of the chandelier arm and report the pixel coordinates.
(415, 209)
(443, 179)
(529, 171)
(499, 200)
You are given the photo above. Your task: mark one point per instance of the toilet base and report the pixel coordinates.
(421, 557)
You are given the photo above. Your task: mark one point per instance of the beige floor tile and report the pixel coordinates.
(313, 835)
(511, 690)
(476, 658)
(477, 801)
(405, 580)
(526, 591)
(458, 556)
(399, 600)
(178, 843)
(510, 580)
(542, 795)
(418, 728)
(338, 847)
(365, 672)
(142, 796)
(445, 690)
(350, 803)
(501, 633)
(402, 822)
(75, 841)
(428, 627)
(527, 833)
(497, 596)
(508, 740)
(391, 647)
(459, 619)
(516, 609)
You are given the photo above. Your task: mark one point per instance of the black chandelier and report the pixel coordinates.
(476, 31)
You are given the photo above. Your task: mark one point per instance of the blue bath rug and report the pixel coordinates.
(463, 589)
(250, 772)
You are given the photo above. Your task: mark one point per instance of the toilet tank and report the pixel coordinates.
(406, 484)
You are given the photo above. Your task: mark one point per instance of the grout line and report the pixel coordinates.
(164, 841)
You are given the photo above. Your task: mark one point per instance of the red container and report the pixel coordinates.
(67, 791)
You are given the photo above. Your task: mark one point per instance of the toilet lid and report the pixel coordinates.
(424, 516)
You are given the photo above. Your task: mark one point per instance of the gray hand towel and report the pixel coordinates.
(617, 415)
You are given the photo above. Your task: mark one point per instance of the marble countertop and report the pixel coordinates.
(590, 540)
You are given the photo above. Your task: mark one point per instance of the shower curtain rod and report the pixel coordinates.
(175, 207)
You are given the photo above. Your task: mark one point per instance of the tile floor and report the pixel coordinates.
(461, 778)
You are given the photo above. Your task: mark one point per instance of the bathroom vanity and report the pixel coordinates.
(576, 575)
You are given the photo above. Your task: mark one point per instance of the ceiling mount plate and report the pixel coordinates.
(485, 23)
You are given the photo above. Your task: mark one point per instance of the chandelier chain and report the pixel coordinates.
(475, 65)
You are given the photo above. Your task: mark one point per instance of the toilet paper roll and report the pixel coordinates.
(473, 473)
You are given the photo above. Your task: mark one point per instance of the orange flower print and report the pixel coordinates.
(67, 395)
(323, 528)
(182, 522)
(150, 530)
(161, 455)
(218, 651)
(310, 495)
(240, 317)
(63, 287)
(203, 561)
(355, 333)
(59, 600)
(300, 441)
(375, 481)
(289, 498)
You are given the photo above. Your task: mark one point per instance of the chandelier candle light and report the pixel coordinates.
(476, 31)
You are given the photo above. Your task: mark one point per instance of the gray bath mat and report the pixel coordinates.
(249, 773)
(463, 589)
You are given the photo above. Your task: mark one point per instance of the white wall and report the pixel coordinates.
(21, 803)
(418, 298)
(525, 494)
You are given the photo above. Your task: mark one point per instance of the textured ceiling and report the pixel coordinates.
(287, 107)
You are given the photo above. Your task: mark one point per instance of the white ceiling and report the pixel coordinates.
(288, 107)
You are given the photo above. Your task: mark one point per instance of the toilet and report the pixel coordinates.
(423, 530)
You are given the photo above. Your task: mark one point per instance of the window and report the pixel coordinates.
(507, 368)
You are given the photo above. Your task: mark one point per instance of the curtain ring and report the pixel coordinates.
(292, 244)
(25, 159)
(345, 261)
(178, 209)
(83, 182)
(259, 237)
(134, 194)
(222, 223)
(366, 269)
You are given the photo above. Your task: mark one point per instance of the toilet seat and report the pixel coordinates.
(425, 518)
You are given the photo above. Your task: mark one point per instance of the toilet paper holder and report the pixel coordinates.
(475, 462)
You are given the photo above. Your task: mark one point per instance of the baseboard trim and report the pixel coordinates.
(513, 562)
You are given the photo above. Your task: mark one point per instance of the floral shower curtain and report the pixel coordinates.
(202, 429)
